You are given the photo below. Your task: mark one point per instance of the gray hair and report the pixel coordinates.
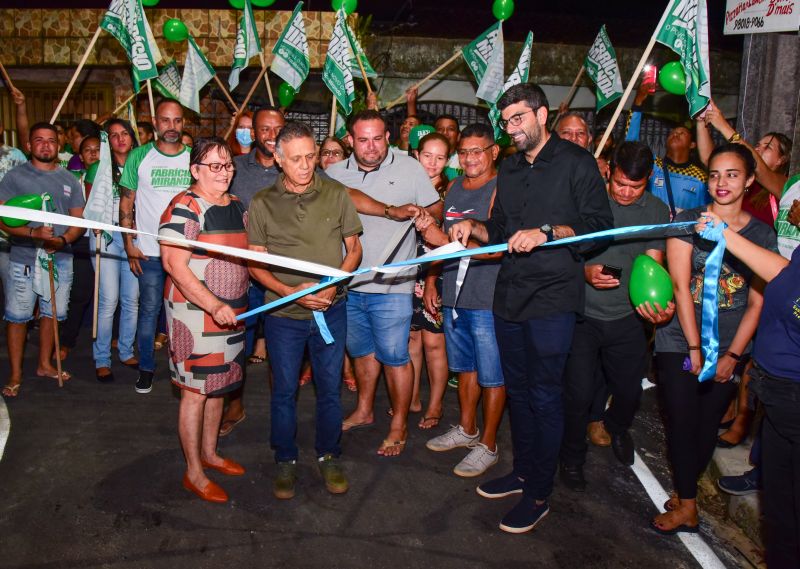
(290, 131)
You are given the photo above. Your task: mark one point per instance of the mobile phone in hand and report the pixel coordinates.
(612, 271)
(649, 77)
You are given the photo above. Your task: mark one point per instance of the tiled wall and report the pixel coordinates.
(60, 37)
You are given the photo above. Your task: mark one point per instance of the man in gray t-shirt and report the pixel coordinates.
(611, 335)
(379, 306)
(42, 174)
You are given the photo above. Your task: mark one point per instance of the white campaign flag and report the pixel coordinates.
(247, 44)
(41, 268)
(100, 204)
(197, 71)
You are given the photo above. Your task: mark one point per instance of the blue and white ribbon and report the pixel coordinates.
(709, 330)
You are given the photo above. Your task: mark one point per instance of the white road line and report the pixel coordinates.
(5, 425)
(704, 555)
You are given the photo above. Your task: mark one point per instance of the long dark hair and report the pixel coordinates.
(116, 169)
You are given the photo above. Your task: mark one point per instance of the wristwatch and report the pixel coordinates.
(386, 208)
(547, 229)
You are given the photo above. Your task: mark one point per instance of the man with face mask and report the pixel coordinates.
(154, 173)
(255, 171)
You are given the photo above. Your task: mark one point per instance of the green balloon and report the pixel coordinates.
(672, 78)
(649, 282)
(349, 5)
(28, 201)
(418, 133)
(149, 2)
(285, 94)
(262, 3)
(238, 4)
(502, 9)
(175, 30)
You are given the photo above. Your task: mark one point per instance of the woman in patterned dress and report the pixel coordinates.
(203, 295)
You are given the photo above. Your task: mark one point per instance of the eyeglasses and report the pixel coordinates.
(216, 167)
(472, 152)
(514, 120)
(331, 153)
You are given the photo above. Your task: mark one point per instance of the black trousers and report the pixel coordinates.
(693, 411)
(780, 463)
(619, 348)
(80, 296)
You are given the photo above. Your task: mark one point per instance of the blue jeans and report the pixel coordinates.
(286, 341)
(151, 298)
(471, 345)
(21, 300)
(118, 285)
(255, 299)
(534, 353)
(379, 324)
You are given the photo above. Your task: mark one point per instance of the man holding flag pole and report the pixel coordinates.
(37, 249)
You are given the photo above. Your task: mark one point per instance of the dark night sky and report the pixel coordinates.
(630, 22)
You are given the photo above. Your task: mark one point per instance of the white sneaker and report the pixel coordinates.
(478, 461)
(454, 438)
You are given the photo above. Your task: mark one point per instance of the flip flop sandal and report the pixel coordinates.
(254, 359)
(350, 426)
(229, 424)
(389, 444)
(683, 528)
(65, 375)
(426, 419)
(11, 390)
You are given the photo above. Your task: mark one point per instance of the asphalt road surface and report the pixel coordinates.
(91, 478)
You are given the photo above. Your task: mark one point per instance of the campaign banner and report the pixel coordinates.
(761, 16)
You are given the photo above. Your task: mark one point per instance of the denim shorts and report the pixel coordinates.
(379, 324)
(21, 300)
(472, 346)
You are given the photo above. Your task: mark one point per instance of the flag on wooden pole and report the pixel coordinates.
(291, 61)
(685, 31)
(601, 65)
(357, 54)
(336, 73)
(484, 57)
(519, 75)
(168, 82)
(197, 71)
(247, 45)
(126, 21)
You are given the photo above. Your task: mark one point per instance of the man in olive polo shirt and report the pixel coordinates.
(305, 217)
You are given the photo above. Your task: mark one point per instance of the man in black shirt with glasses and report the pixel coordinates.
(551, 189)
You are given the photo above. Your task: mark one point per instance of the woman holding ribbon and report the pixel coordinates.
(206, 345)
(693, 409)
(775, 378)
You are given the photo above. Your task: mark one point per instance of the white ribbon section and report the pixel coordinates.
(266, 258)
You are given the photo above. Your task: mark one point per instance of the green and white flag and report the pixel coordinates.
(247, 44)
(100, 203)
(484, 56)
(197, 71)
(132, 120)
(125, 20)
(356, 53)
(168, 82)
(519, 75)
(336, 73)
(41, 268)
(291, 62)
(601, 65)
(340, 130)
(685, 31)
